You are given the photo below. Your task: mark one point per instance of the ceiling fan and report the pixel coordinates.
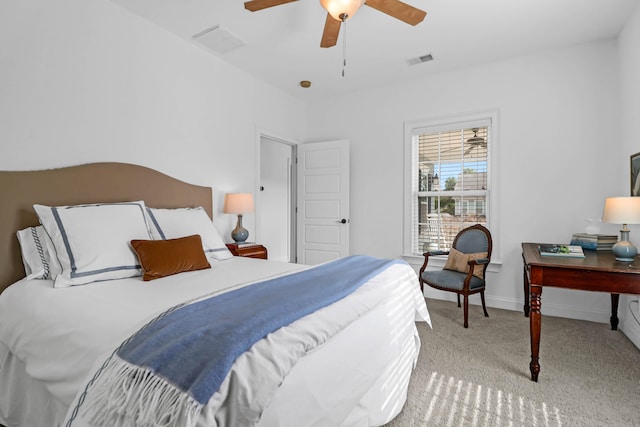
(475, 141)
(338, 11)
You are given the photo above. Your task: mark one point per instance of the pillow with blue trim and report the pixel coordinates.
(91, 242)
(37, 253)
(182, 222)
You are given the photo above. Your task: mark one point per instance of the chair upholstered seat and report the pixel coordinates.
(466, 267)
(449, 279)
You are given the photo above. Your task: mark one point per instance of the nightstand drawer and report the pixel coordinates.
(250, 251)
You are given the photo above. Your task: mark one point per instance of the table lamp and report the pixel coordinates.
(238, 203)
(623, 210)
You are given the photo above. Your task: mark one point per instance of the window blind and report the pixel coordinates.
(451, 182)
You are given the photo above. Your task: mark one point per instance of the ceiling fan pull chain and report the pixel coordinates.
(344, 43)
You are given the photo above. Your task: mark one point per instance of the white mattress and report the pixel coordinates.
(52, 340)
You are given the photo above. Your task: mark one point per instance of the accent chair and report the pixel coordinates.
(464, 271)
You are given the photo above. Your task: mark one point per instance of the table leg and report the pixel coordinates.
(535, 321)
(614, 311)
(525, 281)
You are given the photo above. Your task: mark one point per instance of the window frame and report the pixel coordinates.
(415, 127)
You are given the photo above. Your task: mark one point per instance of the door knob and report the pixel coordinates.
(343, 221)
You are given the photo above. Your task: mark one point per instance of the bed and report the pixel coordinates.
(344, 363)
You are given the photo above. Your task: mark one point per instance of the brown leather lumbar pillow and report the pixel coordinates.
(160, 258)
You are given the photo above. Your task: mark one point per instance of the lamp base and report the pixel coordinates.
(624, 249)
(239, 234)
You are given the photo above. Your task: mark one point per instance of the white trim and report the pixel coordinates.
(262, 133)
(567, 311)
(411, 128)
(437, 262)
(274, 137)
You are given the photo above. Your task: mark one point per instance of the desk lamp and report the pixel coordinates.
(623, 210)
(238, 203)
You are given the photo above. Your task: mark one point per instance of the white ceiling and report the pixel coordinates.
(282, 43)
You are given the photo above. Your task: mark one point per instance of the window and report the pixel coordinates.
(449, 182)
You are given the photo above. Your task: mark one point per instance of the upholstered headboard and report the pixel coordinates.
(90, 183)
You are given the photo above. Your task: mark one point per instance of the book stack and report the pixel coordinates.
(594, 242)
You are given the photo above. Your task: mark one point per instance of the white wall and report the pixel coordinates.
(87, 81)
(558, 155)
(629, 46)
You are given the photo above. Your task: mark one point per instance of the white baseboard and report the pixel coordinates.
(627, 325)
(548, 308)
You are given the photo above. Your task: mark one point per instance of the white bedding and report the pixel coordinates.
(85, 323)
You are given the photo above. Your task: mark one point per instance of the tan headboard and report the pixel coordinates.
(90, 183)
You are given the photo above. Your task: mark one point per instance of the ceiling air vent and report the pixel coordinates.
(218, 39)
(420, 59)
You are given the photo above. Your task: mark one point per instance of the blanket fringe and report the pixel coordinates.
(126, 395)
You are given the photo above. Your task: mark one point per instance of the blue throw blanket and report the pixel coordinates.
(171, 367)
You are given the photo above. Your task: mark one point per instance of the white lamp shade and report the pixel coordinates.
(338, 7)
(622, 210)
(238, 203)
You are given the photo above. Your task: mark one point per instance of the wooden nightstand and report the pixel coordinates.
(253, 250)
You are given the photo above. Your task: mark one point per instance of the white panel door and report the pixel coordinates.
(323, 201)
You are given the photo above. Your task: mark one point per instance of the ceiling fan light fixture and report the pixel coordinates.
(341, 8)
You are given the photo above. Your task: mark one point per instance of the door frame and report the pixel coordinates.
(293, 143)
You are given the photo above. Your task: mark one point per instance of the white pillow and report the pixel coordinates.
(37, 257)
(92, 242)
(181, 222)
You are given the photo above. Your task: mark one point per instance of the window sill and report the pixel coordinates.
(439, 261)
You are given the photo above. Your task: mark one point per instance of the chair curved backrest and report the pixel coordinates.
(474, 239)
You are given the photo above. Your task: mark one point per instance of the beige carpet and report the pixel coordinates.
(590, 375)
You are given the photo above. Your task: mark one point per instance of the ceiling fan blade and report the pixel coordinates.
(331, 31)
(255, 5)
(399, 10)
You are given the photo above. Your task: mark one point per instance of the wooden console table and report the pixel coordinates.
(598, 271)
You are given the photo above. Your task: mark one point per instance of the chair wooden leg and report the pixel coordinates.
(458, 299)
(484, 307)
(466, 310)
